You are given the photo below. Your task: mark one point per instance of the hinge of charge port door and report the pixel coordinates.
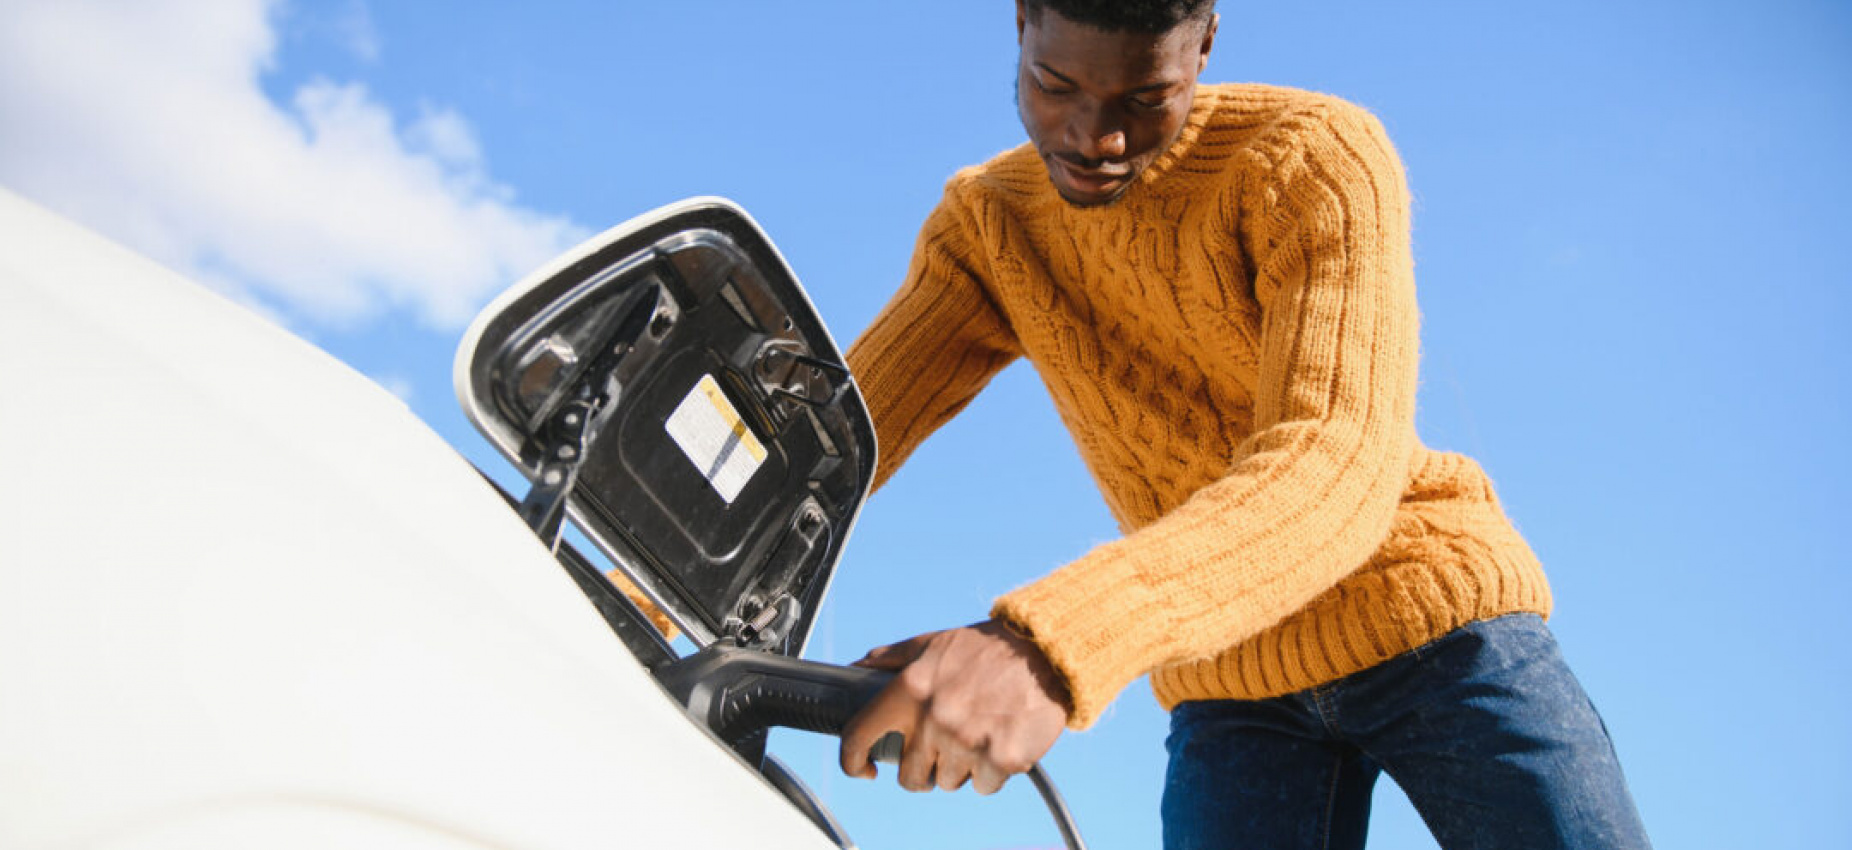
(556, 448)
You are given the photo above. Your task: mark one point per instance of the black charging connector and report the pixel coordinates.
(741, 693)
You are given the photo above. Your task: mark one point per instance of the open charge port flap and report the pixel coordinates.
(578, 375)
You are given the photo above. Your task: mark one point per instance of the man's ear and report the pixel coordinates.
(1019, 22)
(1202, 60)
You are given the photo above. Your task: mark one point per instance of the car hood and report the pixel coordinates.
(248, 599)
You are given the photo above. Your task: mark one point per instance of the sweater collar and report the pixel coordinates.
(1201, 107)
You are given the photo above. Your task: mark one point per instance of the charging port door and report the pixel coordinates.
(668, 387)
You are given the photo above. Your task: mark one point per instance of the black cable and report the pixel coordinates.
(887, 750)
(1064, 819)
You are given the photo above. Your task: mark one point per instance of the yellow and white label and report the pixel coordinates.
(715, 439)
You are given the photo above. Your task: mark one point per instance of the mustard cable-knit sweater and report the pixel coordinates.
(1233, 347)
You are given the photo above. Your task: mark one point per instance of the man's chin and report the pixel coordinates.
(1102, 199)
(1087, 196)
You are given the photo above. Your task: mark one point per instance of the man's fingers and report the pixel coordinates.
(988, 779)
(890, 711)
(894, 709)
(975, 705)
(856, 742)
(857, 739)
(854, 756)
(953, 769)
(918, 761)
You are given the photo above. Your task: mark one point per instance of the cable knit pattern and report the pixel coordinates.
(1233, 346)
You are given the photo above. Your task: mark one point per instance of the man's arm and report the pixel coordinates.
(1305, 500)
(930, 351)
(1310, 495)
(938, 341)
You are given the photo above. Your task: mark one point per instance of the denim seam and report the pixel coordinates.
(1331, 801)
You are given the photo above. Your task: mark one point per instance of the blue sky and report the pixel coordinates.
(1631, 226)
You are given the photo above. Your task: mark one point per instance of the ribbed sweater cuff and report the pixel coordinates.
(1065, 614)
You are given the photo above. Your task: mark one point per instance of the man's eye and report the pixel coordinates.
(1045, 88)
(1149, 105)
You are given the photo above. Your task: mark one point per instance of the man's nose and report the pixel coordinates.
(1099, 134)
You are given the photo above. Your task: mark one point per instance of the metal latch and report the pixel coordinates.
(768, 612)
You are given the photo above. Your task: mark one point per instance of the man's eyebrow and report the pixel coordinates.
(1148, 87)
(1056, 74)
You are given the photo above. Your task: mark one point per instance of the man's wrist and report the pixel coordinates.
(1053, 683)
(1015, 628)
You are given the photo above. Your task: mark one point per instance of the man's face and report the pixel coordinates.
(1101, 106)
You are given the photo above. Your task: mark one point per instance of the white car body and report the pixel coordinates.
(247, 599)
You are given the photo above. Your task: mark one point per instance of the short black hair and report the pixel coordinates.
(1152, 17)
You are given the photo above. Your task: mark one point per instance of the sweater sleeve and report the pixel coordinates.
(936, 343)
(1311, 493)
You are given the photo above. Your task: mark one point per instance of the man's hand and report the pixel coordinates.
(977, 704)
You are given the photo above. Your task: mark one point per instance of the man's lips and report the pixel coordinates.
(1093, 179)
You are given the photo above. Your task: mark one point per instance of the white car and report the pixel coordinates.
(247, 599)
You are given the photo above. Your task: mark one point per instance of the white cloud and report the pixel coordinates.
(146, 122)
(353, 24)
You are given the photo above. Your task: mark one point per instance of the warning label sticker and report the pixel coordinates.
(715, 439)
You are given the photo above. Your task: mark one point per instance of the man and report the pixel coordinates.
(1216, 286)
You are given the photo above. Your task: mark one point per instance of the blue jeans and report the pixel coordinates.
(1485, 729)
